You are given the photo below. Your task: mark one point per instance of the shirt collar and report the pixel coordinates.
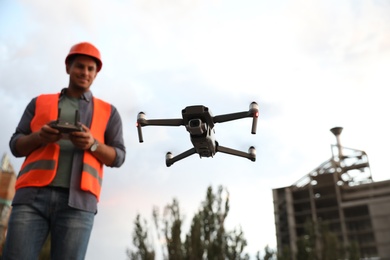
(87, 96)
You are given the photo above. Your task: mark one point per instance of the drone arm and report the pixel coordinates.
(169, 160)
(251, 155)
(252, 112)
(231, 117)
(142, 121)
(162, 122)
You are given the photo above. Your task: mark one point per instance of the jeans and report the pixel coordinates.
(29, 226)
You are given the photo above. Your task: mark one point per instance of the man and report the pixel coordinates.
(59, 183)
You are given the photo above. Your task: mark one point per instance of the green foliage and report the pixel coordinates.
(140, 237)
(353, 251)
(319, 243)
(235, 245)
(285, 254)
(172, 230)
(269, 253)
(329, 242)
(193, 244)
(206, 239)
(307, 244)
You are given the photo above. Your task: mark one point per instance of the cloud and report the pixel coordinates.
(310, 66)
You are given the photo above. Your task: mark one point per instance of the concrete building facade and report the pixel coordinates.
(341, 193)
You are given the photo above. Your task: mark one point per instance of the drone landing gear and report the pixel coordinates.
(251, 154)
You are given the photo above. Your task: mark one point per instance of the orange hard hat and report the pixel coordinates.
(86, 48)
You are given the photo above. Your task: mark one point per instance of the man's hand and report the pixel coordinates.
(48, 134)
(82, 140)
(28, 143)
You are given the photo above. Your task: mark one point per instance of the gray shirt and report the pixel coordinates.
(68, 108)
(113, 137)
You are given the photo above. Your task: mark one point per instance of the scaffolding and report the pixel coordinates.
(342, 193)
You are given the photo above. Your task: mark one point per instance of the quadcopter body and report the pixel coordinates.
(199, 122)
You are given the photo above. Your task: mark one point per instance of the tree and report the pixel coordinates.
(306, 244)
(172, 230)
(269, 253)
(285, 254)
(235, 245)
(140, 237)
(207, 237)
(329, 243)
(353, 250)
(194, 246)
(319, 243)
(213, 215)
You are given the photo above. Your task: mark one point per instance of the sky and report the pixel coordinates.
(310, 65)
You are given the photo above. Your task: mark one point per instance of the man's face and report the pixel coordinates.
(82, 72)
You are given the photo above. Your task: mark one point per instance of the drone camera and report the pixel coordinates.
(196, 126)
(195, 122)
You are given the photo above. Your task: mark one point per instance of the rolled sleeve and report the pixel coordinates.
(23, 128)
(114, 137)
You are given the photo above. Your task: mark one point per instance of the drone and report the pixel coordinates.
(199, 122)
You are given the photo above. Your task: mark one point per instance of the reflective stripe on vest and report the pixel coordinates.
(39, 167)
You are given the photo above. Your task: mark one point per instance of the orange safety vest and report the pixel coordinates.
(39, 167)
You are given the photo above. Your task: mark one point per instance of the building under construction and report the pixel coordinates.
(7, 192)
(341, 193)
